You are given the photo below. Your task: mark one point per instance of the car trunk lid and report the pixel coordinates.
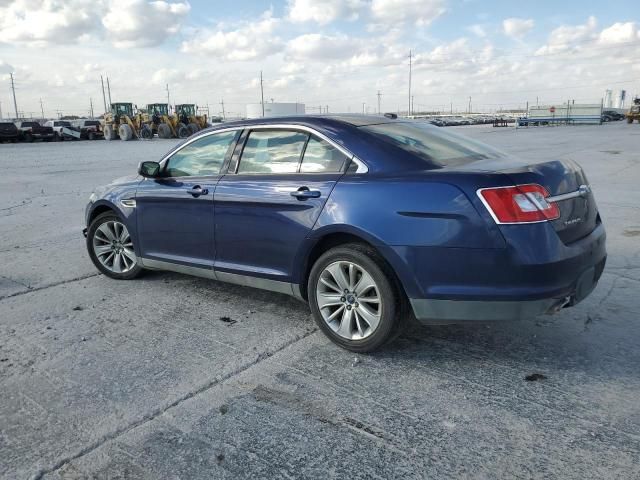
(568, 189)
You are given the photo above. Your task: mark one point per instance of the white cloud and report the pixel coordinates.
(127, 23)
(316, 46)
(5, 67)
(567, 37)
(517, 27)
(39, 22)
(138, 23)
(417, 12)
(325, 11)
(478, 30)
(251, 40)
(619, 33)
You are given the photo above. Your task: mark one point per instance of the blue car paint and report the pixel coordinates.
(428, 223)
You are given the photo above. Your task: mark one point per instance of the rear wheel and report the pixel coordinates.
(193, 128)
(125, 132)
(629, 119)
(109, 134)
(111, 247)
(28, 137)
(146, 133)
(92, 136)
(354, 298)
(164, 131)
(183, 131)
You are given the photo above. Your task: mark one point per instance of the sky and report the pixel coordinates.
(335, 54)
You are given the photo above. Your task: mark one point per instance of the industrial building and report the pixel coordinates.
(274, 109)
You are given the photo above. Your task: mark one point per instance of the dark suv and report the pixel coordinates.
(9, 132)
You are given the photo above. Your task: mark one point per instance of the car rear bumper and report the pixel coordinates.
(487, 285)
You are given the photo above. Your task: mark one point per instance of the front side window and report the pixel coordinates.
(272, 151)
(202, 157)
(321, 157)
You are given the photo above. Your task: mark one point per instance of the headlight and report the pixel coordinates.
(93, 197)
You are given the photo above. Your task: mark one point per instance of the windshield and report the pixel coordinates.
(432, 144)
(159, 109)
(91, 123)
(123, 109)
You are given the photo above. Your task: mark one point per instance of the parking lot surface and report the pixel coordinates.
(171, 376)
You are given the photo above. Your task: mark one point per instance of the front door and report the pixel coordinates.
(175, 212)
(266, 210)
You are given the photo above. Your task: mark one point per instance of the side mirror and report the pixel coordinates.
(149, 169)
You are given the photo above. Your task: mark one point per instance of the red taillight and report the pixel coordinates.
(519, 204)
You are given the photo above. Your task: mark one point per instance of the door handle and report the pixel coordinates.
(303, 193)
(196, 191)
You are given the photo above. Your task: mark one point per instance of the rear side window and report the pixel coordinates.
(321, 157)
(201, 157)
(272, 151)
(432, 144)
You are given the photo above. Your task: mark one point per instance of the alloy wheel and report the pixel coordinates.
(349, 300)
(113, 247)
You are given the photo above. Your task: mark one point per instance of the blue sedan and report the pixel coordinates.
(372, 220)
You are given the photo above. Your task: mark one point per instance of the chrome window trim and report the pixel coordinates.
(189, 142)
(362, 166)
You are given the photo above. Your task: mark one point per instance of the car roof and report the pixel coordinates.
(314, 120)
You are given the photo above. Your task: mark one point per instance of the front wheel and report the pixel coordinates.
(111, 247)
(354, 298)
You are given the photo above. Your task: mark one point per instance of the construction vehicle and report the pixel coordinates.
(122, 122)
(186, 114)
(165, 125)
(634, 111)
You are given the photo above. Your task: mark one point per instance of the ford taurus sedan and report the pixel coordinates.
(372, 220)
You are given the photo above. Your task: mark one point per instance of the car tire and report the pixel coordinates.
(28, 137)
(377, 306)
(98, 237)
(92, 136)
(193, 128)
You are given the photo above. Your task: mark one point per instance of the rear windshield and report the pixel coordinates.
(90, 123)
(433, 144)
(63, 124)
(30, 124)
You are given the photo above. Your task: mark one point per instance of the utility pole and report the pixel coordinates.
(379, 95)
(363, 108)
(90, 107)
(262, 93)
(104, 97)
(327, 110)
(412, 104)
(410, 66)
(222, 105)
(109, 90)
(13, 90)
(451, 105)
(168, 98)
(0, 110)
(41, 109)
(469, 104)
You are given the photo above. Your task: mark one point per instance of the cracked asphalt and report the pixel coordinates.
(148, 379)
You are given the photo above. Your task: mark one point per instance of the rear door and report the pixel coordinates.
(175, 213)
(267, 204)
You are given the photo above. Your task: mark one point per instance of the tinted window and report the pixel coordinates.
(432, 144)
(320, 156)
(30, 124)
(201, 157)
(272, 151)
(91, 123)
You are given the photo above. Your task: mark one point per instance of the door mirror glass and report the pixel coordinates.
(149, 169)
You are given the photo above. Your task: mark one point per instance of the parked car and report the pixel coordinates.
(367, 218)
(30, 131)
(63, 130)
(613, 115)
(9, 132)
(89, 129)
